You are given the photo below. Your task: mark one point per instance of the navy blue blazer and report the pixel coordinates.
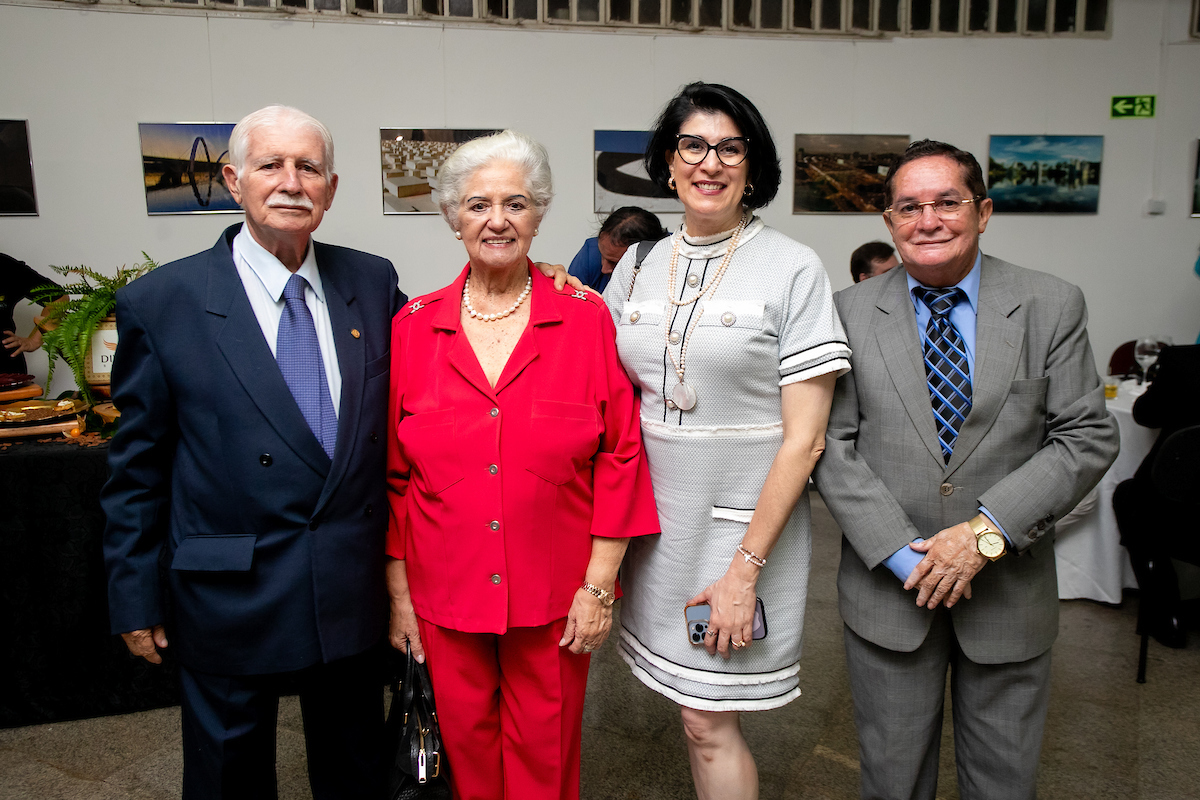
(273, 553)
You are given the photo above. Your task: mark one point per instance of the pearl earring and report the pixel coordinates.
(458, 234)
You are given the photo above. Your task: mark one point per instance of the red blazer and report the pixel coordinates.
(496, 493)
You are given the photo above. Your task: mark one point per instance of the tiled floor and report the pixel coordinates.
(1106, 736)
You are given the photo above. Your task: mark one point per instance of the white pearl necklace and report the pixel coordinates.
(471, 312)
(684, 394)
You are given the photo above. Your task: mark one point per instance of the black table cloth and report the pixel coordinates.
(57, 658)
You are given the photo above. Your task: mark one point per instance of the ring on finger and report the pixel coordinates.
(712, 633)
(736, 643)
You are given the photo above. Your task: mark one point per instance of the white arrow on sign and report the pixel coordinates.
(1122, 106)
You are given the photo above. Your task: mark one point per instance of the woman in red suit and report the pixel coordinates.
(516, 472)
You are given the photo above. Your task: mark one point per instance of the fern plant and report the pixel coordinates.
(68, 326)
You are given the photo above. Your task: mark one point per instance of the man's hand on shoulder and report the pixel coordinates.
(146, 643)
(944, 574)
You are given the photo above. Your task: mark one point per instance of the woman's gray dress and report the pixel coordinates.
(771, 322)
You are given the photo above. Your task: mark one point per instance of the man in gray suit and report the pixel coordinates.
(972, 420)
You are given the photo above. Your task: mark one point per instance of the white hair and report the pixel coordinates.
(271, 116)
(515, 148)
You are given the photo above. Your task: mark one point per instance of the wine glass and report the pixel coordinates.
(1145, 352)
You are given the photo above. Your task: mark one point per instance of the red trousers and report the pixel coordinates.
(511, 711)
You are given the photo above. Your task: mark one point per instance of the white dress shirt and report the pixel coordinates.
(264, 277)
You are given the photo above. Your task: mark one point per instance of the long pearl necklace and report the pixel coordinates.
(684, 394)
(471, 312)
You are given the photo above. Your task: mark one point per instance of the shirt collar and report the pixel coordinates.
(969, 284)
(271, 271)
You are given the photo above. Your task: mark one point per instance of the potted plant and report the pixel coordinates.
(69, 327)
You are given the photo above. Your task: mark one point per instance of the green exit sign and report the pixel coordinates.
(1134, 105)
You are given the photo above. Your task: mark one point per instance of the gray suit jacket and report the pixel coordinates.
(1037, 438)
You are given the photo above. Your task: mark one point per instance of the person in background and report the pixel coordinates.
(516, 476)
(17, 280)
(729, 331)
(594, 263)
(871, 259)
(973, 420)
(1155, 528)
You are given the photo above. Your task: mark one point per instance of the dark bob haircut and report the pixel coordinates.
(972, 173)
(763, 174)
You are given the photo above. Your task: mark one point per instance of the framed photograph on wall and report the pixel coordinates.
(1196, 185)
(181, 167)
(1045, 174)
(17, 196)
(410, 158)
(843, 173)
(621, 179)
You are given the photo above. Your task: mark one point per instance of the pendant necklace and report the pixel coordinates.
(683, 395)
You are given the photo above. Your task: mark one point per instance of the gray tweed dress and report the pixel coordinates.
(770, 322)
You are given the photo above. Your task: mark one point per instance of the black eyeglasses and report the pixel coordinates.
(730, 152)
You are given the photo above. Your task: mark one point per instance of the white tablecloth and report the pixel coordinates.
(1091, 562)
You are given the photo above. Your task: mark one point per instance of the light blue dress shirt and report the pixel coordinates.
(963, 317)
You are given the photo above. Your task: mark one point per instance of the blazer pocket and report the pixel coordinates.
(378, 366)
(1034, 386)
(568, 436)
(733, 514)
(644, 313)
(429, 442)
(231, 552)
(732, 314)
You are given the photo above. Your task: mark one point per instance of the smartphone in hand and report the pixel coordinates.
(697, 617)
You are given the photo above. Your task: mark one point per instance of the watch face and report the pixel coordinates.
(990, 544)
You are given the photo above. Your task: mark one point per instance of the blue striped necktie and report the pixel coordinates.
(946, 367)
(298, 353)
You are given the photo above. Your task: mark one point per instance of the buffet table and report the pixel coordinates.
(58, 659)
(1091, 562)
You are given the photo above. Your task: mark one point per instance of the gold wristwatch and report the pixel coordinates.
(989, 542)
(603, 595)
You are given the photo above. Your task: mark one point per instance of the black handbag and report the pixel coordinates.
(417, 768)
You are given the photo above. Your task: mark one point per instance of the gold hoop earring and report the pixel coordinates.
(749, 190)
(458, 234)
(671, 183)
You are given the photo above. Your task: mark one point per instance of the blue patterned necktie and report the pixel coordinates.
(946, 367)
(299, 356)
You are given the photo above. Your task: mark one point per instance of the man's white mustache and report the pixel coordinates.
(290, 201)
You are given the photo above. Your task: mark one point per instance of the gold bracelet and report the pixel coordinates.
(603, 595)
(752, 557)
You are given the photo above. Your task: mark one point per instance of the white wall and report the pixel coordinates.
(84, 79)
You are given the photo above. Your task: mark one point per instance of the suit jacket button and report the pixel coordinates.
(495, 412)
(496, 579)
(368, 510)
(495, 525)
(946, 489)
(374, 437)
(266, 460)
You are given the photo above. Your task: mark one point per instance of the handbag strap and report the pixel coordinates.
(643, 250)
(424, 685)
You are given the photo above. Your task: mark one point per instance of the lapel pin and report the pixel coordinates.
(354, 332)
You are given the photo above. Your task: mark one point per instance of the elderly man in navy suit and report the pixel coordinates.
(252, 381)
